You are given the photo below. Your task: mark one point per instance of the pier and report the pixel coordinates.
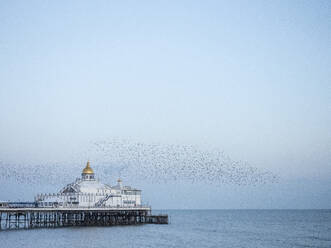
(35, 217)
(85, 202)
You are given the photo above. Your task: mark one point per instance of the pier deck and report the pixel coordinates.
(26, 218)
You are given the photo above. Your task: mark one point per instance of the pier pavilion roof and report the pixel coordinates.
(86, 185)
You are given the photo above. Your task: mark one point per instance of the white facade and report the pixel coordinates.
(89, 192)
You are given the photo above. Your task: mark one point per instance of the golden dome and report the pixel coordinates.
(88, 169)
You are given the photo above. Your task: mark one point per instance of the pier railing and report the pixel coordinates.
(35, 205)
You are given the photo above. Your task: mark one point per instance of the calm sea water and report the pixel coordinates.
(192, 228)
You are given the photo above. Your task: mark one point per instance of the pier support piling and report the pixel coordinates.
(27, 218)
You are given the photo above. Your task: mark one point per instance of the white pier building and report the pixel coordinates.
(89, 192)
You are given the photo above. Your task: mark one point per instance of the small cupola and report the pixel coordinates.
(119, 183)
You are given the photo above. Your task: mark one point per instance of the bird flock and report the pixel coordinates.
(169, 163)
(150, 162)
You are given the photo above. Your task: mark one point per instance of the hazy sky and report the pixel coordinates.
(251, 78)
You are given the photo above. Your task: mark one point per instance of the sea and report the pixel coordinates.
(191, 228)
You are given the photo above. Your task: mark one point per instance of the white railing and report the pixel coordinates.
(94, 207)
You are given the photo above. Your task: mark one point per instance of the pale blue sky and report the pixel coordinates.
(251, 78)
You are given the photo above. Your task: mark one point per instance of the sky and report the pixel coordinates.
(250, 78)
